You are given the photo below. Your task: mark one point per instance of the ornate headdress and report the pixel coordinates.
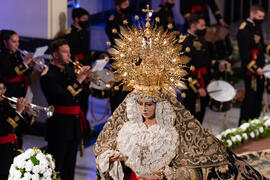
(149, 60)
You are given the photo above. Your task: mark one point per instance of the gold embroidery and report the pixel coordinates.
(217, 12)
(257, 38)
(243, 25)
(17, 118)
(18, 71)
(75, 85)
(251, 66)
(267, 49)
(12, 123)
(187, 15)
(197, 45)
(72, 90)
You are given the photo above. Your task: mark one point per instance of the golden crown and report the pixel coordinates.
(149, 60)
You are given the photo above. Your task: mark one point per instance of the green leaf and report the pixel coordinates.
(34, 160)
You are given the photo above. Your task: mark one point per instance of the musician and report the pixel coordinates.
(14, 69)
(10, 119)
(201, 63)
(78, 37)
(62, 89)
(121, 17)
(201, 7)
(252, 49)
(165, 15)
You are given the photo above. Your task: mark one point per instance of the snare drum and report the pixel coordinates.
(221, 95)
(102, 90)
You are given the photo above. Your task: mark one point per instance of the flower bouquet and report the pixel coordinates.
(33, 165)
(256, 128)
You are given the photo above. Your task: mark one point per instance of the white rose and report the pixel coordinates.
(233, 138)
(238, 137)
(252, 135)
(267, 123)
(245, 136)
(29, 165)
(20, 164)
(29, 152)
(12, 169)
(17, 173)
(48, 173)
(244, 126)
(36, 169)
(35, 177)
(40, 156)
(229, 142)
(255, 121)
(261, 129)
(266, 117)
(43, 168)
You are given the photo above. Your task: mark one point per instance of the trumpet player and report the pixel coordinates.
(62, 89)
(14, 69)
(10, 119)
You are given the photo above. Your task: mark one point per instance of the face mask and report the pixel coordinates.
(200, 33)
(169, 5)
(258, 22)
(125, 11)
(84, 24)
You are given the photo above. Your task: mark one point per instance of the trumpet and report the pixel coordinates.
(92, 75)
(35, 108)
(41, 66)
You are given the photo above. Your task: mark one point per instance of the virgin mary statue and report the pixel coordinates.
(151, 135)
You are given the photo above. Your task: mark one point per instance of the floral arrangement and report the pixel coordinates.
(256, 128)
(33, 165)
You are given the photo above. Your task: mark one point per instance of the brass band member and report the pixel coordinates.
(252, 49)
(62, 89)
(10, 119)
(14, 69)
(202, 60)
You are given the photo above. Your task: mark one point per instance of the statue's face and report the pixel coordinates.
(147, 108)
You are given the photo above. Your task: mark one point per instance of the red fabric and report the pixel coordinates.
(253, 53)
(200, 72)
(72, 110)
(79, 57)
(133, 176)
(20, 78)
(198, 8)
(11, 138)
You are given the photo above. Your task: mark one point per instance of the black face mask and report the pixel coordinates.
(84, 24)
(125, 11)
(200, 33)
(258, 22)
(169, 5)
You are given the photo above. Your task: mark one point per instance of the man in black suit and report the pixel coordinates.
(62, 89)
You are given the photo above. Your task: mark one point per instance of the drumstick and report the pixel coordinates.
(214, 91)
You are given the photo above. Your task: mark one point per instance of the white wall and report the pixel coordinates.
(32, 18)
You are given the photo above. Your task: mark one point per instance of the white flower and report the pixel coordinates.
(267, 123)
(20, 163)
(266, 117)
(41, 157)
(245, 136)
(35, 177)
(12, 169)
(238, 137)
(244, 126)
(255, 121)
(36, 169)
(29, 152)
(261, 129)
(233, 139)
(17, 174)
(229, 142)
(26, 176)
(29, 165)
(252, 135)
(48, 173)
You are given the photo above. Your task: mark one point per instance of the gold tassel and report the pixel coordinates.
(82, 148)
(254, 83)
(198, 105)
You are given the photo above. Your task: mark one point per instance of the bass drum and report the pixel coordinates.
(103, 89)
(221, 95)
